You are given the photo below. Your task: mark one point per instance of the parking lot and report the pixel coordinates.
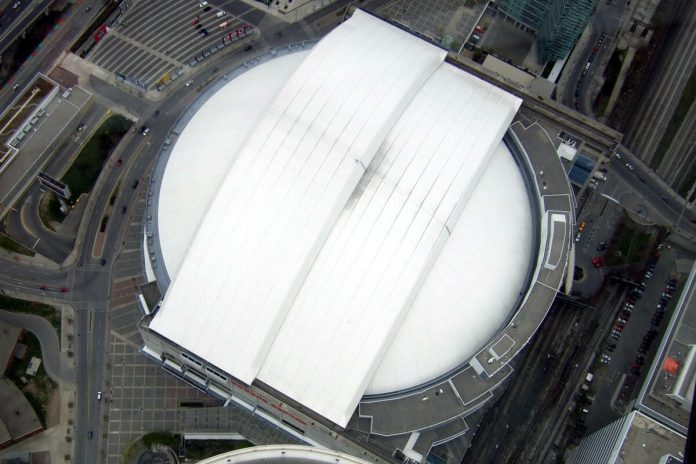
(625, 355)
(154, 42)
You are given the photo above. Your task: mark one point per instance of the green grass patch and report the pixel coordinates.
(84, 171)
(17, 305)
(9, 244)
(132, 451)
(52, 212)
(161, 438)
(201, 449)
(148, 441)
(685, 101)
(631, 243)
(37, 389)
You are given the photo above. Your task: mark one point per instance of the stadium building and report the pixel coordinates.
(353, 242)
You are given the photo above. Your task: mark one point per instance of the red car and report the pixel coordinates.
(64, 289)
(119, 163)
(195, 21)
(597, 262)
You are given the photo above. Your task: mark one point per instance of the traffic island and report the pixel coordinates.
(84, 171)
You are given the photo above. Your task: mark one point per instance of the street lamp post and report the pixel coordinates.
(686, 202)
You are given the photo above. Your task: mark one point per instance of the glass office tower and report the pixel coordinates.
(558, 23)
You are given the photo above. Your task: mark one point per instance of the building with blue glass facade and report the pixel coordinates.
(558, 23)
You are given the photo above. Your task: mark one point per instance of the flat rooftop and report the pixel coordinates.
(647, 441)
(672, 374)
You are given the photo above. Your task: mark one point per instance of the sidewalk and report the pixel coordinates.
(33, 261)
(84, 70)
(58, 439)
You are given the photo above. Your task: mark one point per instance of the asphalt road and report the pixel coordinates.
(59, 40)
(87, 280)
(646, 195)
(137, 153)
(606, 20)
(48, 339)
(671, 60)
(15, 20)
(24, 223)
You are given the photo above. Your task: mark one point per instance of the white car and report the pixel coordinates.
(202, 4)
(189, 83)
(98, 396)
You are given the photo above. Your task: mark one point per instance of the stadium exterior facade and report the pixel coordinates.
(353, 242)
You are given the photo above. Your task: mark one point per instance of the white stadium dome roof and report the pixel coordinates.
(344, 221)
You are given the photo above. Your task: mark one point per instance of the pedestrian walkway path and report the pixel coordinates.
(53, 361)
